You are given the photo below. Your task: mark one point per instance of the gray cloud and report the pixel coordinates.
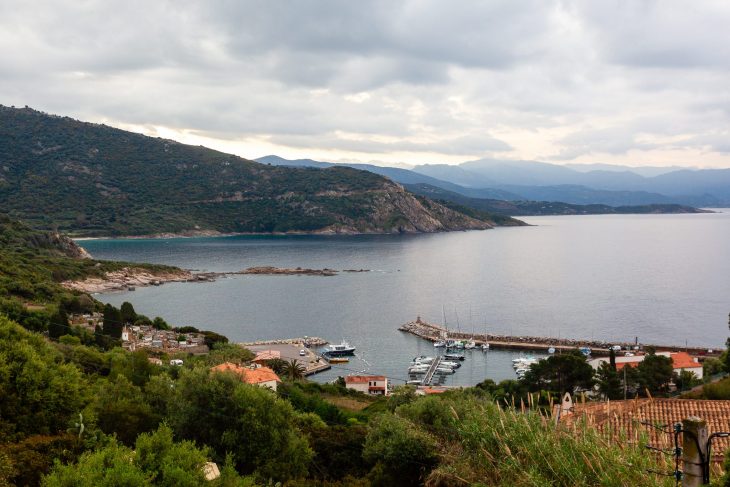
(527, 79)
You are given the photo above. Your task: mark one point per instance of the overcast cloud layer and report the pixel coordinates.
(634, 82)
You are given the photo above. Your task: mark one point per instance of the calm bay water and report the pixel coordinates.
(663, 278)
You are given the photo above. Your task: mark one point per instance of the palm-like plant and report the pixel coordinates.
(293, 370)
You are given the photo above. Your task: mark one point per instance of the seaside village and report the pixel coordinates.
(626, 415)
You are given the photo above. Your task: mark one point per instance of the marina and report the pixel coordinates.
(437, 334)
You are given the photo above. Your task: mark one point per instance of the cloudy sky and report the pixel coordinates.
(627, 82)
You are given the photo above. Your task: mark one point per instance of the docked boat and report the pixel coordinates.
(338, 360)
(551, 350)
(445, 370)
(340, 350)
(439, 344)
(470, 345)
(485, 347)
(453, 356)
(523, 362)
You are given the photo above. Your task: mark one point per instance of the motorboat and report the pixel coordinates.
(585, 351)
(523, 362)
(453, 356)
(485, 347)
(470, 345)
(340, 350)
(551, 350)
(445, 370)
(439, 344)
(453, 365)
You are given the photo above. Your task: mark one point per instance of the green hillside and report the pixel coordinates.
(498, 209)
(94, 180)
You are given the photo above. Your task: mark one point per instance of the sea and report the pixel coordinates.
(658, 279)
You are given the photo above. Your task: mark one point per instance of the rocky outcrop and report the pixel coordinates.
(268, 270)
(59, 243)
(395, 210)
(127, 277)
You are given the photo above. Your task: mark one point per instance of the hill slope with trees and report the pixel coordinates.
(94, 180)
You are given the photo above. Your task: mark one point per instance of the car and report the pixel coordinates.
(302, 352)
(616, 348)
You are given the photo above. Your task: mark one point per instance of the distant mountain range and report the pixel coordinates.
(599, 184)
(94, 180)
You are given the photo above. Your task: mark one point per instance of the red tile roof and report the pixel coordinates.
(680, 360)
(614, 417)
(360, 379)
(249, 376)
(683, 360)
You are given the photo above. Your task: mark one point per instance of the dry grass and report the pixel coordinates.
(348, 403)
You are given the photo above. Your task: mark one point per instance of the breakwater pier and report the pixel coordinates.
(432, 333)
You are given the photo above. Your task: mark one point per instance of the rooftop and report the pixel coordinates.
(614, 416)
(249, 376)
(359, 379)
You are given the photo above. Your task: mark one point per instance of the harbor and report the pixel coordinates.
(289, 350)
(436, 333)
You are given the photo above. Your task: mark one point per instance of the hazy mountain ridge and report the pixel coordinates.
(91, 179)
(684, 186)
(533, 208)
(510, 182)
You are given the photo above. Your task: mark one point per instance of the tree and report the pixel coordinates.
(685, 380)
(38, 393)
(128, 314)
(120, 408)
(160, 324)
(156, 460)
(112, 322)
(58, 325)
(609, 381)
(560, 373)
(655, 372)
(294, 370)
(249, 422)
(401, 453)
(277, 365)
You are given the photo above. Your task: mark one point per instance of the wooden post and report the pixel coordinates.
(691, 462)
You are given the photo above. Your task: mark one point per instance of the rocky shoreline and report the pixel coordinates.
(130, 278)
(126, 278)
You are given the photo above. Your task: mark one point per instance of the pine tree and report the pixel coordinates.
(112, 322)
(129, 316)
(58, 325)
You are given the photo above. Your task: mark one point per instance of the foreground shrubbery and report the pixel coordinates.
(110, 418)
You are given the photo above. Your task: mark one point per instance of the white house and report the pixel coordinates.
(376, 385)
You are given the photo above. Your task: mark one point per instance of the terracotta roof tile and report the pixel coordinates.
(249, 376)
(615, 416)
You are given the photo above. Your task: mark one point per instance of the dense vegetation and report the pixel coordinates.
(83, 417)
(59, 173)
(33, 264)
(523, 208)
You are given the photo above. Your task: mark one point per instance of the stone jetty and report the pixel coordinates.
(306, 341)
(432, 332)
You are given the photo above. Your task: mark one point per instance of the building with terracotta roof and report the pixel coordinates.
(376, 385)
(680, 361)
(631, 416)
(266, 355)
(258, 376)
